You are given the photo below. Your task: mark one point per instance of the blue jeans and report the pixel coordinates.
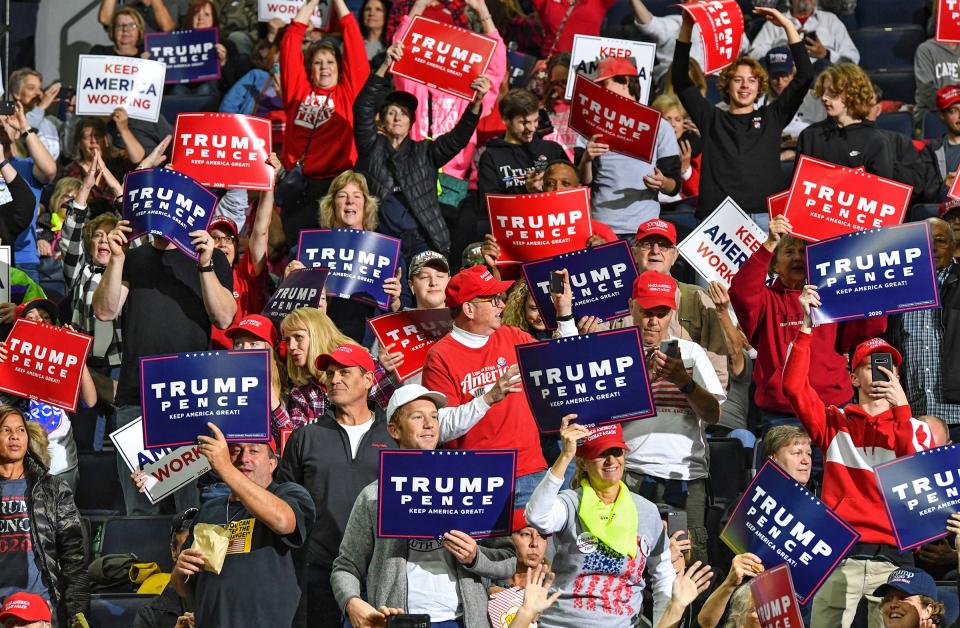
(762, 220)
(523, 488)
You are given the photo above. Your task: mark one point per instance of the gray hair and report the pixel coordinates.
(19, 77)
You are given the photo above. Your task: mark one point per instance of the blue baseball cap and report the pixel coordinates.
(779, 61)
(911, 582)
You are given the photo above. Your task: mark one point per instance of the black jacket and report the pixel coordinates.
(162, 611)
(504, 166)
(58, 541)
(852, 146)
(412, 168)
(318, 456)
(909, 168)
(16, 215)
(934, 164)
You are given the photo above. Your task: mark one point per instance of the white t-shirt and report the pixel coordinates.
(431, 583)
(62, 448)
(672, 445)
(355, 434)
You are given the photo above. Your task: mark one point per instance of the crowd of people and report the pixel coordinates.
(358, 147)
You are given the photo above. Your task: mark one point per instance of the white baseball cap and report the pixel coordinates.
(411, 392)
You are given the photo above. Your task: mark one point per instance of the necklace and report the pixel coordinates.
(228, 517)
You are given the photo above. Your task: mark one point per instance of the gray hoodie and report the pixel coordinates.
(935, 65)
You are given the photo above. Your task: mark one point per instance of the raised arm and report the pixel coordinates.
(544, 511)
(217, 286)
(111, 292)
(105, 14)
(258, 243)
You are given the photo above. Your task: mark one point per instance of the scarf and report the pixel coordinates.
(619, 531)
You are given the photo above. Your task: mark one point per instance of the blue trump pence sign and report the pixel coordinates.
(424, 494)
(920, 492)
(782, 522)
(181, 392)
(600, 377)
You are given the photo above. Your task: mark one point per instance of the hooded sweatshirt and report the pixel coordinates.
(770, 317)
(854, 442)
(854, 145)
(935, 65)
(504, 166)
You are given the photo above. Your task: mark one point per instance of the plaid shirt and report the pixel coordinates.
(309, 402)
(82, 278)
(923, 343)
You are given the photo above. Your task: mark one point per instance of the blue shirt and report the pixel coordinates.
(25, 247)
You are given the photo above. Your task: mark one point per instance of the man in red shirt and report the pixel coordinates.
(465, 363)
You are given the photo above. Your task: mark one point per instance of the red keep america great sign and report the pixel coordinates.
(223, 150)
(627, 126)
(533, 226)
(948, 21)
(444, 57)
(827, 200)
(721, 29)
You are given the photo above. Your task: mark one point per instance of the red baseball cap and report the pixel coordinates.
(602, 438)
(608, 67)
(874, 345)
(519, 520)
(227, 225)
(657, 227)
(255, 325)
(474, 282)
(653, 289)
(948, 206)
(25, 607)
(347, 355)
(948, 95)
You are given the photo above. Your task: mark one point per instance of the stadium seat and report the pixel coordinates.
(897, 85)
(889, 12)
(898, 122)
(98, 491)
(932, 126)
(174, 105)
(147, 537)
(727, 468)
(115, 610)
(888, 47)
(951, 604)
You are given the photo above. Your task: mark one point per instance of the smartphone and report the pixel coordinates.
(556, 282)
(405, 620)
(7, 107)
(811, 35)
(676, 522)
(670, 348)
(877, 360)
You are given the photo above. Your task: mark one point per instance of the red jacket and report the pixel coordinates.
(853, 443)
(330, 111)
(770, 317)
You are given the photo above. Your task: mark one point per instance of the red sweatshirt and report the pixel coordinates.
(464, 373)
(332, 149)
(770, 317)
(853, 443)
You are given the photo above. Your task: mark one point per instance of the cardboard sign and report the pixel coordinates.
(601, 279)
(722, 242)
(424, 494)
(781, 521)
(5, 259)
(166, 468)
(190, 56)
(105, 83)
(224, 150)
(775, 599)
(284, 437)
(165, 203)
(358, 262)
(301, 288)
(444, 57)
(535, 226)
(601, 377)
(627, 126)
(948, 27)
(828, 200)
(286, 10)
(181, 392)
(412, 332)
(873, 273)
(721, 29)
(44, 362)
(521, 67)
(777, 204)
(920, 492)
(588, 50)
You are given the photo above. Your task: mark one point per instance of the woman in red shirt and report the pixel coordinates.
(319, 87)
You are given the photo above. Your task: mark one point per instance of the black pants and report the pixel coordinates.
(318, 608)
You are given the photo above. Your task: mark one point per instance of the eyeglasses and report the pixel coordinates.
(128, 26)
(646, 245)
(222, 239)
(497, 300)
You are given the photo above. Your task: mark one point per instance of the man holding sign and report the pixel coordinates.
(169, 304)
(855, 439)
(386, 568)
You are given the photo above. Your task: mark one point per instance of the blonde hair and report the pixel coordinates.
(782, 436)
(370, 203)
(696, 75)
(852, 84)
(740, 605)
(324, 338)
(665, 102)
(514, 310)
(64, 187)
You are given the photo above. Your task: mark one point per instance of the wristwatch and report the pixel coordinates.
(205, 269)
(688, 387)
(562, 319)
(30, 130)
